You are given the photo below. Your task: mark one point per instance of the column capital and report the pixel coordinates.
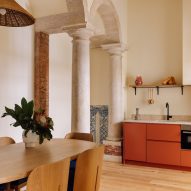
(115, 48)
(81, 34)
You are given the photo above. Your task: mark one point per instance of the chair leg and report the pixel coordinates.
(8, 187)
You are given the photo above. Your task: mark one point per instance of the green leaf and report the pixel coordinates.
(16, 124)
(23, 102)
(24, 105)
(30, 108)
(4, 114)
(10, 112)
(17, 108)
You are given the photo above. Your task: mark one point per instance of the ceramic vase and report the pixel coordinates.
(31, 139)
(138, 81)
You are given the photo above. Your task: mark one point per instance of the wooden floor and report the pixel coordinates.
(118, 177)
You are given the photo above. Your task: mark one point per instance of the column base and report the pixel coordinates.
(113, 151)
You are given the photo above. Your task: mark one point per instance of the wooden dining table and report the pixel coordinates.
(17, 162)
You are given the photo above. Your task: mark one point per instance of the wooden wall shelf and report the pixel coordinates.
(158, 87)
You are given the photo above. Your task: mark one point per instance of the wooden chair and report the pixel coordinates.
(3, 142)
(88, 170)
(49, 177)
(6, 141)
(80, 136)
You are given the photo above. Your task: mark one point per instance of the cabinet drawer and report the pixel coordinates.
(163, 152)
(163, 132)
(134, 142)
(186, 158)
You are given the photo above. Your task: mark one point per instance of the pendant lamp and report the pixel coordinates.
(13, 15)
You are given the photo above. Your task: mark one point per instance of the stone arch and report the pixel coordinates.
(110, 18)
(75, 17)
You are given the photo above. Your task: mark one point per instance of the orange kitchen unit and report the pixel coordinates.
(134, 142)
(154, 143)
(163, 144)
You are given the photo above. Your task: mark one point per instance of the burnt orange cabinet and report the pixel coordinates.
(163, 132)
(134, 142)
(162, 152)
(163, 144)
(186, 158)
(154, 143)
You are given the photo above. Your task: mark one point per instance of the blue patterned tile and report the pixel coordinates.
(102, 110)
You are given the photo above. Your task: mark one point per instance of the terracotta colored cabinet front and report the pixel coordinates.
(134, 145)
(186, 158)
(163, 152)
(163, 144)
(154, 143)
(163, 132)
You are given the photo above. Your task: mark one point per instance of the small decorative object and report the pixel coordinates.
(150, 96)
(137, 114)
(169, 81)
(138, 81)
(36, 124)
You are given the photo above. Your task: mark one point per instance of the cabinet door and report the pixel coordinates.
(163, 152)
(163, 132)
(134, 135)
(186, 158)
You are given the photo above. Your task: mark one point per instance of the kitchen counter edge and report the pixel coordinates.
(157, 121)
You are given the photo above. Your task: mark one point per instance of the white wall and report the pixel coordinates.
(154, 38)
(153, 31)
(60, 83)
(44, 8)
(100, 77)
(16, 73)
(186, 42)
(155, 52)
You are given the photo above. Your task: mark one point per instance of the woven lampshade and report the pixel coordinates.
(13, 15)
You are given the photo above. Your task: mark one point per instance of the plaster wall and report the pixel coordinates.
(44, 8)
(155, 52)
(16, 71)
(154, 38)
(100, 77)
(60, 72)
(186, 42)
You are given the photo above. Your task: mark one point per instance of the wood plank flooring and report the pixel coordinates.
(119, 177)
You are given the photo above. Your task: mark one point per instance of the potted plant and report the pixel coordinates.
(37, 126)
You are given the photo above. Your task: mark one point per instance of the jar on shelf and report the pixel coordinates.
(138, 81)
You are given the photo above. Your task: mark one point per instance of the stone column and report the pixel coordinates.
(113, 142)
(41, 77)
(81, 80)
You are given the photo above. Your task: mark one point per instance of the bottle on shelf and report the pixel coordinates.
(137, 114)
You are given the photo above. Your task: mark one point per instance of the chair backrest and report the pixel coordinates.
(6, 141)
(50, 177)
(88, 170)
(80, 136)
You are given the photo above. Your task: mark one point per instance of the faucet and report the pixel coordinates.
(168, 116)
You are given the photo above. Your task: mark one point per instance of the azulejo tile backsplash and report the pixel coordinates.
(99, 122)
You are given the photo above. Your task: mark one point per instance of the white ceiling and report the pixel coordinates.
(41, 8)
